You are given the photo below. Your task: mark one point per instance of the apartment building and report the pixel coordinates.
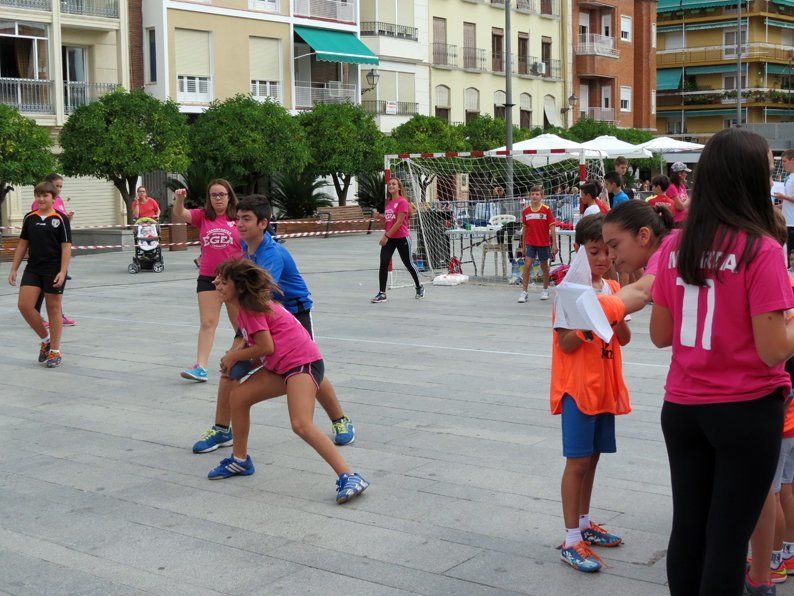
(296, 52)
(467, 57)
(614, 46)
(56, 55)
(697, 64)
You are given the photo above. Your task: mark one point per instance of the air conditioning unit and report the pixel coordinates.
(539, 68)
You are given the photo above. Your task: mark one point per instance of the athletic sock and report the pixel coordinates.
(584, 522)
(222, 428)
(240, 460)
(46, 340)
(572, 536)
(337, 420)
(55, 351)
(777, 557)
(788, 550)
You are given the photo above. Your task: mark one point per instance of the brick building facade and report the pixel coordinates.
(136, 44)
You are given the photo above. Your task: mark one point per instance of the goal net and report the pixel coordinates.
(466, 213)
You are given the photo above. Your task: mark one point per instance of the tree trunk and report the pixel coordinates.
(126, 187)
(4, 190)
(341, 185)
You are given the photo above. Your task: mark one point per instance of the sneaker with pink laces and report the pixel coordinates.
(67, 322)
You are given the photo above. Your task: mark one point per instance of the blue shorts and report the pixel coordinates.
(541, 253)
(584, 435)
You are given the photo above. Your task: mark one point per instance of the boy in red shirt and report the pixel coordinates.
(539, 238)
(659, 186)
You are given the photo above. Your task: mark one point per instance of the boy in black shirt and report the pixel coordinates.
(47, 240)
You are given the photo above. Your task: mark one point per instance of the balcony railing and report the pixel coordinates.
(528, 6)
(445, 55)
(264, 90)
(393, 108)
(334, 10)
(194, 89)
(80, 94)
(498, 3)
(497, 61)
(91, 8)
(389, 30)
(28, 4)
(553, 69)
(600, 114)
(310, 94)
(474, 58)
(593, 44)
(707, 54)
(27, 95)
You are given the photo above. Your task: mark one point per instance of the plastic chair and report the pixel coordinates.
(492, 245)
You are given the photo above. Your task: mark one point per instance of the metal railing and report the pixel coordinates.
(474, 58)
(389, 30)
(600, 114)
(499, 3)
(598, 45)
(528, 6)
(91, 8)
(28, 4)
(553, 69)
(445, 55)
(264, 90)
(310, 94)
(28, 95)
(706, 54)
(403, 108)
(335, 10)
(79, 94)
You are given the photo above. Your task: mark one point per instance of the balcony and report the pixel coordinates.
(193, 89)
(80, 94)
(108, 9)
(331, 10)
(600, 114)
(445, 55)
(27, 4)
(29, 96)
(534, 67)
(553, 69)
(311, 94)
(474, 59)
(593, 44)
(755, 51)
(370, 28)
(498, 3)
(707, 96)
(528, 6)
(391, 108)
(266, 90)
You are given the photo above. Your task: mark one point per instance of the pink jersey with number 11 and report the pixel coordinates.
(714, 355)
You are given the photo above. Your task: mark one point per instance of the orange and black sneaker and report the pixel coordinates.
(580, 557)
(44, 351)
(595, 535)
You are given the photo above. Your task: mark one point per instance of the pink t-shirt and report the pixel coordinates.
(653, 263)
(714, 354)
(293, 344)
(219, 239)
(675, 192)
(393, 207)
(57, 204)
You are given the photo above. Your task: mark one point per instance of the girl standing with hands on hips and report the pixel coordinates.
(219, 241)
(396, 237)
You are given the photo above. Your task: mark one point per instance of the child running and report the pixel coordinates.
(291, 365)
(540, 240)
(46, 238)
(588, 390)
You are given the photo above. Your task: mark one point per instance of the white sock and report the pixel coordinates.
(46, 340)
(240, 460)
(572, 536)
(788, 550)
(777, 557)
(584, 521)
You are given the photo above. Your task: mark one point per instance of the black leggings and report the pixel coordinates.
(403, 246)
(722, 462)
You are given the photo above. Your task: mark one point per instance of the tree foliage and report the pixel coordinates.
(243, 140)
(484, 133)
(343, 141)
(372, 191)
(426, 134)
(25, 151)
(121, 136)
(298, 194)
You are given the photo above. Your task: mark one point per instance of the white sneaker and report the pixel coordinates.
(523, 297)
(544, 295)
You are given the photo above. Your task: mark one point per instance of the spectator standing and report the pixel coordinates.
(787, 196)
(677, 191)
(143, 206)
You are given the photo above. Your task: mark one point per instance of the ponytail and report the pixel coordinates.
(633, 215)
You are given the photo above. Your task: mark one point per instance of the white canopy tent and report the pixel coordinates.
(548, 149)
(669, 145)
(614, 147)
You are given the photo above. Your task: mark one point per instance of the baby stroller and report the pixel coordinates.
(148, 253)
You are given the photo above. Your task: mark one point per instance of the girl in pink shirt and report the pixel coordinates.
(219, 241)
(720, 294)
(677, 191)
(396, 237)
(290, 363)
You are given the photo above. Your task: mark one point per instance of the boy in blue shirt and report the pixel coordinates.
(253, 217)
(614, 184)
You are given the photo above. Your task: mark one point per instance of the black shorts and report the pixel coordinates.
(41, 280)
(204, 284)
(316, 370)
(305, 319)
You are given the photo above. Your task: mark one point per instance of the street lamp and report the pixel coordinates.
(573, 100)
(372, 80)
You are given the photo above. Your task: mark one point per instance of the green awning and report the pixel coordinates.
(668, 79)
(780, 112)
(780, 69)
(714, 25)
(336, 46)
(703, 113)
(669, 114)
(789, 3)
(670, 29)
(673, 5)
(715, 69)
(776, 23)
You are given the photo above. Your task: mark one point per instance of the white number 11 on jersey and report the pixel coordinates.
(689, 314)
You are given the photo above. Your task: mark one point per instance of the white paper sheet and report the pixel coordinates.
(778, 187)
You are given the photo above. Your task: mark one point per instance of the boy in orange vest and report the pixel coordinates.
(587, 388)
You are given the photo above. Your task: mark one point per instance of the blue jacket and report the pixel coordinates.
(276, 260)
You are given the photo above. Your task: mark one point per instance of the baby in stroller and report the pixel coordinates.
(148, 254)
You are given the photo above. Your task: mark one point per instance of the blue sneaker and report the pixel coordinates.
(231, 467)
(580, 557)
(212, 439)
(197, 373)
(349, 486)
(344, 431)
(595, 535)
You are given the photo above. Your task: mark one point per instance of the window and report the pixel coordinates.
(729, 81)
(497, 49)
(499, 110)
(264, 59)
(472, 103)
(545, 54)
(193, 66)
(653, 35)
(151, 55)
(23, 51)
(442, 113)
(470, 46)
(625, 99)
(674, 127)
(729, 122)
(525, 119)
(406, 91)
(266, 5)
(653, 101)
(729, 43)
(625, 28)
(523, 53)
(674, 40)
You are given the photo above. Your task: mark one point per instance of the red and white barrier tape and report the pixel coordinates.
(277, 223)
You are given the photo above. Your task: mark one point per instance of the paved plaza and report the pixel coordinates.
(101, 494)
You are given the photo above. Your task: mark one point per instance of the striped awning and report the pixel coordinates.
(777, 23)
(668, 79)
(673, 5)
(714, 69)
